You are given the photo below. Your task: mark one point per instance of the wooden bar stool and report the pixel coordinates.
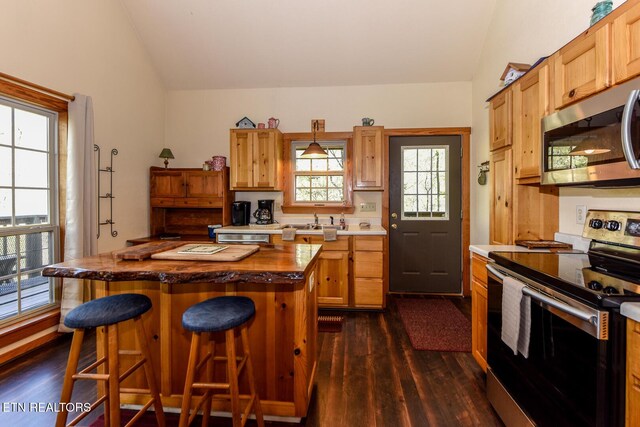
(215, 315)
(108, 312)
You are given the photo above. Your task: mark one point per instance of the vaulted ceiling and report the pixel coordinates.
(216, 44)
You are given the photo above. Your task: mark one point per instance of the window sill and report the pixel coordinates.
(318, 209)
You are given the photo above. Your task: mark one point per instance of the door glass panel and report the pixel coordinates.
(425, 183)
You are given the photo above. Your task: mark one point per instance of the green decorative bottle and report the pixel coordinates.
(600, 10)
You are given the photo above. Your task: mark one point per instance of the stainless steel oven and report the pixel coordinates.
(568, 377)
(574, 372)
(596, 141)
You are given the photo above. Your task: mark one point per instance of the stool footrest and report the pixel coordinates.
(131, 369)
(141, 412)
(228, 396)
(94, 365)
(221, 386)
(203, 362)
(129, 352)
(247, 409)
(95, 377)
(94, 405)
(135, 390)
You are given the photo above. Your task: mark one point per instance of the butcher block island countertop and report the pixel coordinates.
(280, 279)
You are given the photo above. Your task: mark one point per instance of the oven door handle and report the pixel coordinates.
(625, 131)
(539, 296)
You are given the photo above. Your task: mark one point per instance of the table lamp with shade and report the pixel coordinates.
(166, 154)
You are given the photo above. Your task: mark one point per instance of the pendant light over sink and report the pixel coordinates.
(314, 150)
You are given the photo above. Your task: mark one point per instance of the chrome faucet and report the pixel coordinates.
(315, 218)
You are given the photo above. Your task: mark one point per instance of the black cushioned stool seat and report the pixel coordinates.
(228, 314)
(107, 311)
(218, 314)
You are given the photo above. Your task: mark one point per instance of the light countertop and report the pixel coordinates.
(483, 250)
(631, 310)
(352, 230)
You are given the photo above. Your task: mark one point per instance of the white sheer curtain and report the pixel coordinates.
(81, 212)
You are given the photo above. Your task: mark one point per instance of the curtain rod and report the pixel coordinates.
(37, 87)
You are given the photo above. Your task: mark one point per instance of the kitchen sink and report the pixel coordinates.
(304, 226)
(312, 226)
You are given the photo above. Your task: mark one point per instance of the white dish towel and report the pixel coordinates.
(516, 316)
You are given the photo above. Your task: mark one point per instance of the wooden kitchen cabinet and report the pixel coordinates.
(626, 46)
(185, 201)
(166, 183)
(501, 179)
(479, 310)
(342, 282)
(582, 67)
(368, 157)
(333, 268)
(530, 104)
(256, 159)
(500, 117)
(633, 374)
(368, 288)
(186, 187)
(333, 278)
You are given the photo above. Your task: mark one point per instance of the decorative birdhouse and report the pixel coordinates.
(513, 71)
(245, 123)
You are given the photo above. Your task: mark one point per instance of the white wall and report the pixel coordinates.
(198, 122)
(524, 31)
(91, 48)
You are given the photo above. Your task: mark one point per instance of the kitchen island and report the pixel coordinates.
(280, 279)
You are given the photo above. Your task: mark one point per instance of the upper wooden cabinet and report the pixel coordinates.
(256, 159)
(530, 104)
(626, 42)
(368, 157)
(167, 183)
(501, 194)
(186, 187)
(500, 120)
(185, 201)
(582, 67)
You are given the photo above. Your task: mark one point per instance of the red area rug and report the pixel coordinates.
(435, 324)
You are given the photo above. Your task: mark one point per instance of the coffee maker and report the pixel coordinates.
(264, 213)
(240, 213)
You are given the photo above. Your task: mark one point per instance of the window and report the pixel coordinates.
(320, 180)
(425, 181)
(28, 207)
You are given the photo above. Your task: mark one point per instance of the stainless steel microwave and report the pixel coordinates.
(596, 141)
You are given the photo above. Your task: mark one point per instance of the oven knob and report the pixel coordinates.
(612, 225)
(610, 290)
(594, 285)
(595, 223)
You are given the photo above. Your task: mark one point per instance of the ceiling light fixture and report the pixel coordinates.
(589, 147)
(314, 150)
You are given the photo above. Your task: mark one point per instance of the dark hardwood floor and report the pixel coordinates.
(368, 375)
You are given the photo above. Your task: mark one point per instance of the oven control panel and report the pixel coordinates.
(613, 226)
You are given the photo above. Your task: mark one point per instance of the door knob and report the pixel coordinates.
(394, 226)
(394, 215)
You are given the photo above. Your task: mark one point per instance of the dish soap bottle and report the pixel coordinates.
(343, 225)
